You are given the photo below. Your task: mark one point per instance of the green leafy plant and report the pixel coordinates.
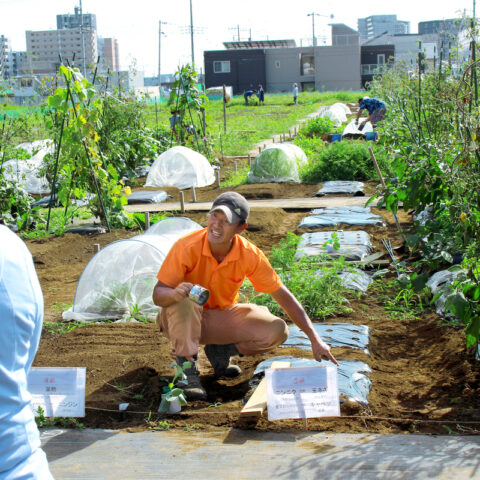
(435, 157)
(320, 295)
(172, 391)
(317, 126)
(68, 422)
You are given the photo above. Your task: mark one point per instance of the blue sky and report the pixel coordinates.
(135, 23)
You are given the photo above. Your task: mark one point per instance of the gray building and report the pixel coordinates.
(4, 50)
(67, 20)
(407, 47)
(450, 25)
(334, 67)
(375, 25)
(277, 68)
(17, 64)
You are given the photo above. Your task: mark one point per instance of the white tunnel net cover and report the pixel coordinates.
(278, 163)
(119, 280)
(26, 172)
(180, 167)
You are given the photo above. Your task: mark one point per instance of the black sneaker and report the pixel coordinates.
(193, 390)
(219, 357)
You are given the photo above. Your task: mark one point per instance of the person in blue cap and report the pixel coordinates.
(21, 319)
(247, 95)
(376, 110)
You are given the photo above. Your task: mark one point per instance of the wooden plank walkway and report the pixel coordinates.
(285, 203)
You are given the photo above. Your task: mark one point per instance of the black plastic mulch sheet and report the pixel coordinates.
(335, 334)
(147, 196)
(354, 245)
(45, 201)
(332, 216)
(341, 186)
(353, 382)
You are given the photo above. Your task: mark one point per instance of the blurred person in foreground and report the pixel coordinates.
(21, 319)
(218, 258)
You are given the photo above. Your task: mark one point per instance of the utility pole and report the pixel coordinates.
(237, 28)
(191, 33)
(313, 15)
(83, 40)
(160, 33)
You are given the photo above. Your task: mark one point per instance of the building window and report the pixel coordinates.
(307, 64)
(381, 59)
(277, 63)
(221, 67)
(308, 86)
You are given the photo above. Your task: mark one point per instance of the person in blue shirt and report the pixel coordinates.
(21, 318)
(295, 94)
(376, 110)
(261, 95)
(247, 95)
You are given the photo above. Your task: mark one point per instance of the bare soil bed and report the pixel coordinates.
(422, 379)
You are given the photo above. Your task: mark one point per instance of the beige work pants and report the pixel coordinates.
(252, 328)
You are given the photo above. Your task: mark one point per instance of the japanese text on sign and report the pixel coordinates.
(59, 391)
(302, 392)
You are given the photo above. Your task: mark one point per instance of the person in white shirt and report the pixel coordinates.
(21, 319)
(295, 93)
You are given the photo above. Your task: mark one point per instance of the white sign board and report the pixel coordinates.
(302, 392)
(59, 391)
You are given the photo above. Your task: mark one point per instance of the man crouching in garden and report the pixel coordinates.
(218, 259)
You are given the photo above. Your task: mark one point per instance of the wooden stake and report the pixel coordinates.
(377, 168)
(96, 247)
(194, 195)
(235, 167)
(182, 202)
(217, 174)
(147, 220)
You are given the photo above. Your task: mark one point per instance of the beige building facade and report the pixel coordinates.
(45, 48)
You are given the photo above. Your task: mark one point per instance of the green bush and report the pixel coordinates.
(318, 126)
(346, 160)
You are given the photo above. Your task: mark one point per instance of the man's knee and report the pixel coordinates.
(278, 332)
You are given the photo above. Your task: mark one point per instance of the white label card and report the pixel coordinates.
(306, 392)
(59, 391)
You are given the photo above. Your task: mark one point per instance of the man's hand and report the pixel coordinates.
(182, 291)
(321, 351)
(164, 296)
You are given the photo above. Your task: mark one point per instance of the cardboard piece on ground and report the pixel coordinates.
(257, 403)
(59, 391)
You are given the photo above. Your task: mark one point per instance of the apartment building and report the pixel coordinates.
(4, 49)
(67, 20)
(46, 49)
(109, 54)
(375, 25)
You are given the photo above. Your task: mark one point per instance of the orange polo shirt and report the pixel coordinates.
(190, 260)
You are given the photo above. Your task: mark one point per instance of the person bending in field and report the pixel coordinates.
(248, 96)
(218, 258)
(376, 110)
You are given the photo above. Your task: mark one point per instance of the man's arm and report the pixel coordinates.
(297, 314)
(164, 296)
(359, 113)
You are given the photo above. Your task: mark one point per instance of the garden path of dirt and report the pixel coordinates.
(422, 378)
